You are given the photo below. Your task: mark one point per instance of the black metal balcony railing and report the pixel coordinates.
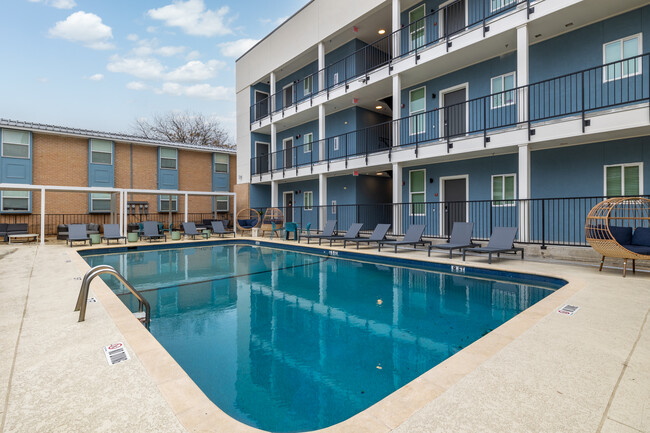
(544, 221)
(578, 93)
(437, 26)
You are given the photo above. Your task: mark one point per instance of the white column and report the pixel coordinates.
(121, 218)
(396, 25)
(322, 199)
(186, 203)
(42, 216)
(524, 192)
(272, 83)
(271, 94)
(274, 193)
(321, 66)
(274, 148)
(522, 71)
(234, 216)
(321, 133)
(397, 198)
(397, 108)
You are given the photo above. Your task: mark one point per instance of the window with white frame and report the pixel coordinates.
(333, 207)
(223, 203)
(504, 190)
(100, 202)
(496, 5)
(416, 27)
(336, 143)
(168, 158)
(624, 179)
(417, 192)
(15, 144)
(221, 163)
(619, 50)
(308, 84)
(502, 90)
(417, 107)
(309, 200)
(164, 203)
(15, 201)
(308, 140)
(101, 152)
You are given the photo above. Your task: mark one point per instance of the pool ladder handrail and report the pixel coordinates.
(82, 299)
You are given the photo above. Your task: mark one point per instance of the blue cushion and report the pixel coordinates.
(639, 249)
(622, 235)
(641, 236)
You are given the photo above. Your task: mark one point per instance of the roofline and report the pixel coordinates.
(274, 30)
(88, 133)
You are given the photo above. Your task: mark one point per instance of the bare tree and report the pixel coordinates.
(190, 128)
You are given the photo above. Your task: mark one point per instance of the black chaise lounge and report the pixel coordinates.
(12, 229)
(150, 231)
(112, 233)
(461, 237)
(377, 235)
(218, 229)
(77, 233)
(328, 231)
(189, 229)
(413, 237)
(353, 232)
(501, 241)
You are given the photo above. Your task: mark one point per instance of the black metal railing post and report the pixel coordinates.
(543, 224)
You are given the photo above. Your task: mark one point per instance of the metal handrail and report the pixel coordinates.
(82, 299)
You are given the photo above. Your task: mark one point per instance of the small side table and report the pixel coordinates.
(206, 234)
(132, 237)
(255, 232)
(176, 235)
(95, 238)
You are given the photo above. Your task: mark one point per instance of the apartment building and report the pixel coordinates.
(38, 154)
(462, 110)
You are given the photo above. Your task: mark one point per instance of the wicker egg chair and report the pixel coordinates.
(620, 228)
(247, 220)
(273, 219)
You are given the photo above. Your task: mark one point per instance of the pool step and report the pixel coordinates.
(141, 316)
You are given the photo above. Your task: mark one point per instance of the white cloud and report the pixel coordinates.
(152, 29)
(143, 68)
(96, 77)
(136, 85)
(59, 4)
(196, 70)
(193, 55)
(169, 51)
(237, 48)
(132, 37)
(86, 29)
(276, 22)
(206, 91)
(193, 18)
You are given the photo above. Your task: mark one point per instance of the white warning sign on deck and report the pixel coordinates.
(116, 353)
(568, 310)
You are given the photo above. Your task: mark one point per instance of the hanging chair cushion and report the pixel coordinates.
(622, 235)
(639, 249)
(641, 236)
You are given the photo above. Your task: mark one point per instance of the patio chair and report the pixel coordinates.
(111, 233)
(353, 232)
(78, 233)
(413, 237)
(461, 237)
(501, 241)
(327, 231)
(377, 235)
(189, 229)
(275, 229)
(150, 231)
(218, 229)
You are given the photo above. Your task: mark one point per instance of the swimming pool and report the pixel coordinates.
(286, 341)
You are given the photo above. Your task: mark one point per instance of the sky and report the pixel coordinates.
(102, 64)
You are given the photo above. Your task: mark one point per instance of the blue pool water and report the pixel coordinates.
(287, 341)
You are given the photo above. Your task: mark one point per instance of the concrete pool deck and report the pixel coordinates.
(542, 371)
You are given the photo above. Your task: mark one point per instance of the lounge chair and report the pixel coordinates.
(327, 231)
(413, 237)
(78, 233)
(501, 241)
(150, 231)
(461, 237)
(353, 232)
(377, 235)
(218, 229)
(111, 233)
(189, 229)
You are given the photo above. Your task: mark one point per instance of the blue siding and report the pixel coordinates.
(263, 87)
(18, 170)
(301, 216)
(357, 118)
(260, 196)
(299, 154)
(101, 174)
(167, 178)
(298, 78)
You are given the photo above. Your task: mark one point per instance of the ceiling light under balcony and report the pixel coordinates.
(379, 107)
(381, 31)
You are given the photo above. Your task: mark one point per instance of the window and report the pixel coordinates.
(221, 163)
(309, 139)
(333, 207)
(496, 5)
(15, 201)
(308, 84)
(309, 200)
(223, 203)
(336, 143)
(100, 202)
(623, 179)
(417, 193)
(101, 152)
(503, 190)
(336, 78)
(417, 104)
(416, 30)
(168, 158)
(164, 203)
(500, 94)
(15, 144)
(618, 50)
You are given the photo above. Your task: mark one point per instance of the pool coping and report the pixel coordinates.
(196, 411)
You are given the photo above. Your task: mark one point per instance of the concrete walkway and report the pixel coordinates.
(540, 372)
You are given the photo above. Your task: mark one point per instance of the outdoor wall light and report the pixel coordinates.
(433, 96)
(298, 136)
(430, 180)
(381, 31)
